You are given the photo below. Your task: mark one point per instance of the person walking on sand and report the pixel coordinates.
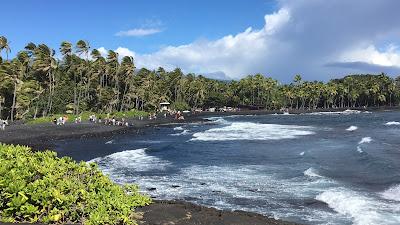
(3, 124)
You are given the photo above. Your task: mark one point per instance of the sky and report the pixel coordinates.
(224, 39)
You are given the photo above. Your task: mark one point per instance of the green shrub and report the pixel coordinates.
(40, 187)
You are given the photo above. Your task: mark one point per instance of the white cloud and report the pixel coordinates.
(103, 51)
(388, 57)
(301, 37)
(124, 52)
(139, 32)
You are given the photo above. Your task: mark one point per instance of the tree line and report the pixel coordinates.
(37, 83)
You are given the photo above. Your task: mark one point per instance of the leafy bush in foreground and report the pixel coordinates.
(40, 187)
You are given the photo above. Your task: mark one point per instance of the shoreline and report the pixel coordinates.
(42, 136)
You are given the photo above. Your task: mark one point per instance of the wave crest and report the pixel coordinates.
(253, 131)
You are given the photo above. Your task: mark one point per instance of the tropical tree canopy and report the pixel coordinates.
(36, 83)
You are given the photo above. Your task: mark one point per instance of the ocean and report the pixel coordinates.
(314, 168)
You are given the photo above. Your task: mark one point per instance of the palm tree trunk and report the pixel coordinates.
(13, 104)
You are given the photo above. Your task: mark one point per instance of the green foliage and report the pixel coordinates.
(181, 106)
(39, 187)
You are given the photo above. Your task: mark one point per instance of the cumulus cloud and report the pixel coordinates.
(138, 32)
(317, 39)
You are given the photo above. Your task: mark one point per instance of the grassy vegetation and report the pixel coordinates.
(39, 187)
(85, 116)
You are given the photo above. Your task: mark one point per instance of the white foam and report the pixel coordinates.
(253, 131)
(117, 164)
(216, 186)
(109, 142)
(218, 120)
(178, 128)
(184, 132)
(311, 172)
(392, 123)
(352, 128)
(393, 193)
(365, 140)
(345, 112)
(359, 149)
(361, 208)
(301, 153)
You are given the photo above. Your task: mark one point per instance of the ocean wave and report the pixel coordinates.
(345, 112)
(365, 140)
(109, 142)
(184, 132)
(178, 128)
(119, 165)
(361, 208)
(393, 193)
(352, 128)
(311, 172)
(253, 131)
(392, 123)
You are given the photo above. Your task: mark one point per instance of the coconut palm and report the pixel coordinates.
(4, 45)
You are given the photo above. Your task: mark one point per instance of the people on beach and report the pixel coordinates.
(3, 124)
(78, 119)
(179, 116)
(92, 118)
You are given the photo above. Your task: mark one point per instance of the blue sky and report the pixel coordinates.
(181, 21)
(222, 39)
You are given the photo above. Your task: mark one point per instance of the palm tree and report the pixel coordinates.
(4, 45)
(45, 63)
(127, 70)
(13, 72)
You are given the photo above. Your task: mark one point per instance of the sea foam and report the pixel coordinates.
(365, 140)
(184, 132)
(361, 208)
(178, 128)
(352, 128)
(393, 193)
(253, 131)
(311, 172)
(137, 160)
(392, 123)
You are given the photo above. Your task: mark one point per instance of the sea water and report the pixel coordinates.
(319, 168)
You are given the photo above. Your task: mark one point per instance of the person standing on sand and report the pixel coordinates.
(3, 124)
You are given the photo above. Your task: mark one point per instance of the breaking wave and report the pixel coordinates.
(109, 142)
(178, 128)
(365, 140)
(119, 165)
(363, 209)
(253, 131)
(352, 128)
(311, 172)
(345, 112)
(393, 193)
(392, 123)
(184, 132)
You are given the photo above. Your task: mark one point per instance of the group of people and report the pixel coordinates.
(113, 121)
(3, 124)
(60, 120)
(179, 116)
